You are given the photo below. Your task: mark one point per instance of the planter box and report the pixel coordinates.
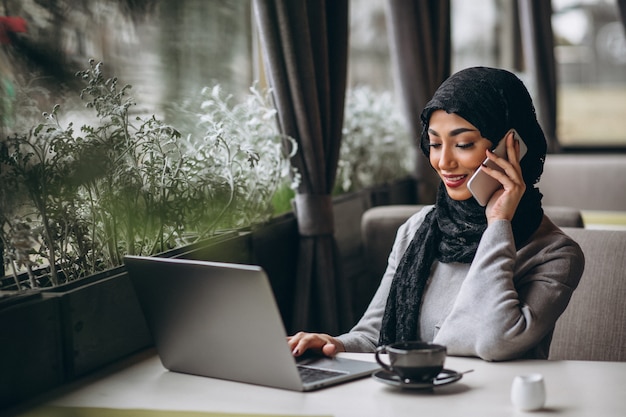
(233, 247)
(101, 321)
(348, 210)
(31, 347)
(274, 246)
(403, 191)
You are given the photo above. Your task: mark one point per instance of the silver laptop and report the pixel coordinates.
(221, 320)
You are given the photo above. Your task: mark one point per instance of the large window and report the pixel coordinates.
(169, 50)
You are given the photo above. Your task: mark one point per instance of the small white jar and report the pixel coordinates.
(528, 392)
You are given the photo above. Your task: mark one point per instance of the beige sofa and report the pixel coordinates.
(594, 325)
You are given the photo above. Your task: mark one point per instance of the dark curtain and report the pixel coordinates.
(622, 11)
(305, 45)
(538, 45)
(421, 49)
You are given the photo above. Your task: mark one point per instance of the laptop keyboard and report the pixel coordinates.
(311, 374)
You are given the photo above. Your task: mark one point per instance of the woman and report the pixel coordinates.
(486, 281)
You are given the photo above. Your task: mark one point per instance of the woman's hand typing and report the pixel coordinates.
(317, 342)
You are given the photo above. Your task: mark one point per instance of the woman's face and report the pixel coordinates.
(456, 151)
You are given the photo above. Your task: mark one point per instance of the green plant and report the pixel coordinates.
(376, 146)
(247, 145)
(76, 204)
(38, 182)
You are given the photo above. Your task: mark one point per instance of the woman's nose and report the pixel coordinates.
(446, 158)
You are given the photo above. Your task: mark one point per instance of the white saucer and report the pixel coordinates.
(446, 376)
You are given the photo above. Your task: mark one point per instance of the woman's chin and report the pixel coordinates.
(459, 194)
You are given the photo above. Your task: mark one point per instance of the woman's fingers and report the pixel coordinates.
(329, 349)
(512, 156)
(318, 342)
(512, 149)
(504, 202)
(510, 165)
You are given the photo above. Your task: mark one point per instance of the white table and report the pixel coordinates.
(574, 388)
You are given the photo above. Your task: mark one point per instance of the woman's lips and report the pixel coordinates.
(454, 181)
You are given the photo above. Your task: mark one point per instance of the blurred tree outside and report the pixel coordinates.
(167, 50)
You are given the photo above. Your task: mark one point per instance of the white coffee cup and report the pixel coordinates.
(528, 392)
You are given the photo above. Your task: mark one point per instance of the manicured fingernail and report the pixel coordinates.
(295, 352)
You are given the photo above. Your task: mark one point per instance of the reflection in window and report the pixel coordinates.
(590, 50)
(591, 62)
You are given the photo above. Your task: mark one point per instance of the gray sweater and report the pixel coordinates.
(504, 305)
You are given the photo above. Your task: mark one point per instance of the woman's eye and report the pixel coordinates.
(434, 145)
(465, 145)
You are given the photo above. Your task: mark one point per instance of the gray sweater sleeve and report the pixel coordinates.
(508, 303)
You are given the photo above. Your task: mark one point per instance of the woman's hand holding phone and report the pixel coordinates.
(503, 203)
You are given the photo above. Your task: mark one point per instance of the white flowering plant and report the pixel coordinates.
(376, 146)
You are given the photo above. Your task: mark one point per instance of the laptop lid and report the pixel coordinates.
(221, 320)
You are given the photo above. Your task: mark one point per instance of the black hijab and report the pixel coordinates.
(494, 101)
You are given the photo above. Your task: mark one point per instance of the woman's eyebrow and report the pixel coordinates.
(433, 132)
(453, 132)
(462, 130)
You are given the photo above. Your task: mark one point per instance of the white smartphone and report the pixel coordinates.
(481, 185)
